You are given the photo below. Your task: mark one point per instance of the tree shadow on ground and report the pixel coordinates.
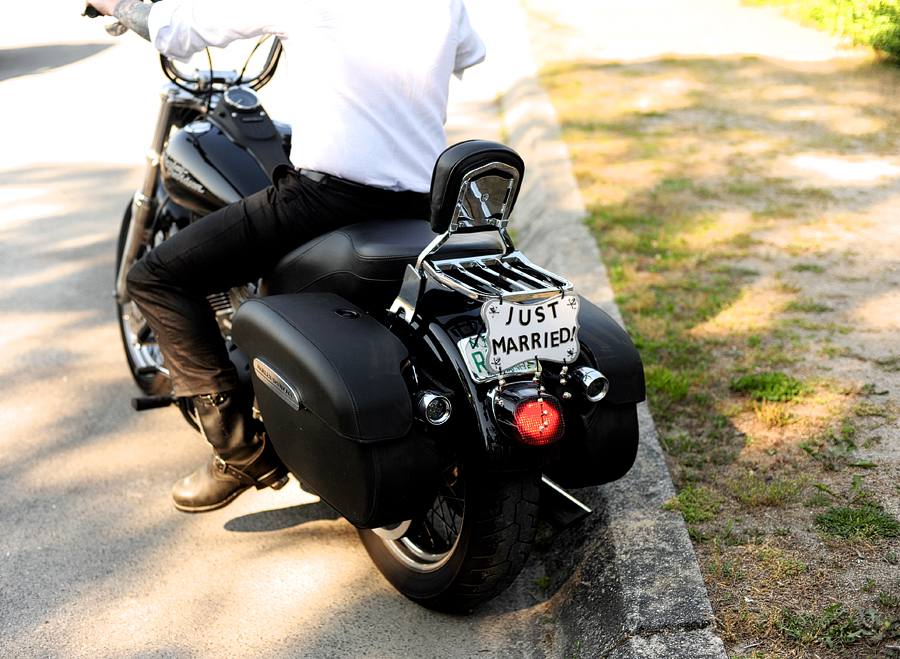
(32, 60)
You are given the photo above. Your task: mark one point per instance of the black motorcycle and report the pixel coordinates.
(424, 378)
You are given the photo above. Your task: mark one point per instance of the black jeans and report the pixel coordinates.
(236, 245)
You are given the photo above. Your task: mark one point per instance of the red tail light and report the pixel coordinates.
(526, 414)
(540, 421)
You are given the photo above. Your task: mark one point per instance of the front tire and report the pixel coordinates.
(469, 546)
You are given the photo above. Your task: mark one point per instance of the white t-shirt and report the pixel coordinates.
(370, 80)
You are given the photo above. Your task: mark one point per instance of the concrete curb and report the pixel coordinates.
(632, 586)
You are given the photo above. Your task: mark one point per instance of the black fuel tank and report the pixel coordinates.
(203, 170)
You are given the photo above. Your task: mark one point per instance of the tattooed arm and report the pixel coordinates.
(133, 14)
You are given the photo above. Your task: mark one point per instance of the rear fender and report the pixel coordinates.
(601, 439)
(477, 434)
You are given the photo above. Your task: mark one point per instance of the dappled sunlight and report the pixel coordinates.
(843, 169)
(753, 311)
(668, 93)
(879, 313)
(325, 587)
(777, 432)
(19, 204)
(54, 379)
(16, 329)
(222, 603)
(838, 119)
(785, 92)
(13, 218)
(727, 226)
(763, 245)
(111, 456)
(78, 242)
(12, 194)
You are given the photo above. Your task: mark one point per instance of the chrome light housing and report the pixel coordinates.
(593, 382)
(433, 408)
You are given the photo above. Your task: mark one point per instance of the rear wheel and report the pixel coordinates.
(469, 546)
(141, 350)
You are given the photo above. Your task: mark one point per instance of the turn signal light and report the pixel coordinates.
(529, 415)
(595, 384)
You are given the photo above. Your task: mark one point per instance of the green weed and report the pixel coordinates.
(769, 386)
(807, 306)
(808, 267)
(866, 408)
(754, 490)
(674, 385)
(868, 521)
(890, 364)
(696, 504)
(543, 582)
(726, 570)
(888, 600)
(834, 627)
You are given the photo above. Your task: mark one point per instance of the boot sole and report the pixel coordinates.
(213, 506)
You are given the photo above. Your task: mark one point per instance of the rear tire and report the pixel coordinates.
(141, 350)
(469, 547)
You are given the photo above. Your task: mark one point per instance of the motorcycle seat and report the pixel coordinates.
(365, 263)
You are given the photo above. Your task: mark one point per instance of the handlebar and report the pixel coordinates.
(201, 82)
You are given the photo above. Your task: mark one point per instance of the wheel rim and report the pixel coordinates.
(431, 540)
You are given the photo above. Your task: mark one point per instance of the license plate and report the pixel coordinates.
(519, 332)
(475, 351)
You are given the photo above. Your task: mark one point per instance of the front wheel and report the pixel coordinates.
(469, 546)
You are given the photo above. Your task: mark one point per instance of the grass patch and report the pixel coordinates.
(867, 408)
(864, 522)
(890, 364)
(772, 414)
(808, 267)
(706, 249)
(754, 490)
(775, 387)
(661, 380)
(834, 627)
(696, 504)
(807, 306)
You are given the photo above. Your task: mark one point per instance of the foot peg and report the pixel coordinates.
(152, 402)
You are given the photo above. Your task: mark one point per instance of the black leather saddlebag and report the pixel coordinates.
(328, 380)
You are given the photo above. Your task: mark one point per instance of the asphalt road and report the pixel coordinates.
(94, 560)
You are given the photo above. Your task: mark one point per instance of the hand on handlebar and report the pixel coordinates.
(95, 8)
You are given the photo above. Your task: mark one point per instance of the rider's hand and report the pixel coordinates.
(105, 7)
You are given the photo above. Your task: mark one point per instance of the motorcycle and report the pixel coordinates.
(423, 378)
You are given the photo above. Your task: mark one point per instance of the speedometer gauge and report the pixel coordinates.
(241, 98)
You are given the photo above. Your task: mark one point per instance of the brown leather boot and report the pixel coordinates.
(241, 456)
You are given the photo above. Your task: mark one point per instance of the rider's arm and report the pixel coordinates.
(180, 29)
(133, 14)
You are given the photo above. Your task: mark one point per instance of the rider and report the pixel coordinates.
(370, 83)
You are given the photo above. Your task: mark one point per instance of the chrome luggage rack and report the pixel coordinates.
(509, 277)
